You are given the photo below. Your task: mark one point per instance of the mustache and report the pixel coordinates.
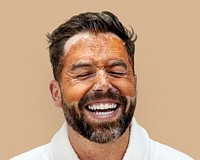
(116, 96)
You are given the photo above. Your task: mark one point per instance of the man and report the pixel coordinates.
(92, 56)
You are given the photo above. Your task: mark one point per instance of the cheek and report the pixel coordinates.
(74, 90)
(125, 86)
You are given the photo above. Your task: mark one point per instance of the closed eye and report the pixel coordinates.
(116, 74)
(85, 75)
(117, 69)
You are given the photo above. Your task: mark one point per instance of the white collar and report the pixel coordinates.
(138, 147)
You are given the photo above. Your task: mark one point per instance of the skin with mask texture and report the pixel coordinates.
(97, 62)
(97, 50)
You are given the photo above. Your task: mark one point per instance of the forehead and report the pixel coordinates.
(95, 45)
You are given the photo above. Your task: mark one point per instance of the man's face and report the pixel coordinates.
(98, 86)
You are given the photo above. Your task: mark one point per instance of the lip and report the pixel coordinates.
(102, 101)
(110, 117)
(103, 115)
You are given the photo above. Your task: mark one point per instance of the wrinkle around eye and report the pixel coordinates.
(84, 75)
(117, 74)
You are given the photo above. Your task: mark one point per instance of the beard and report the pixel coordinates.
(97, 131)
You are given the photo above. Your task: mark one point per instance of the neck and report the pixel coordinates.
(86, 149)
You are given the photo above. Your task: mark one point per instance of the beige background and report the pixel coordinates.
(167, 65)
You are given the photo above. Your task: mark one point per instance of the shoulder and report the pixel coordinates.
(141, 146)
(162, 152)
(39, 153)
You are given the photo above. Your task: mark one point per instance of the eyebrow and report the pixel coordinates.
(80, 65)
(118, 63)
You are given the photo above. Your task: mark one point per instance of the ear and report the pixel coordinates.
(135, 84)
(56, 93)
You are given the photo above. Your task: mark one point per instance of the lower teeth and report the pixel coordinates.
(103, 113)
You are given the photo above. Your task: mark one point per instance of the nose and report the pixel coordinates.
(102, 83)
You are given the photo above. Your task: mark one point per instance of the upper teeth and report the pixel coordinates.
(102, 106)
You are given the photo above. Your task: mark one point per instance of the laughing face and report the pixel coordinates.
(98, 86)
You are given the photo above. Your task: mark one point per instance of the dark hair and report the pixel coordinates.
(92, 22)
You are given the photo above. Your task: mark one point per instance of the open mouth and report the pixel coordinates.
(102, 110)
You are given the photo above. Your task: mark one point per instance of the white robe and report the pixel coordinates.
(140, 147)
